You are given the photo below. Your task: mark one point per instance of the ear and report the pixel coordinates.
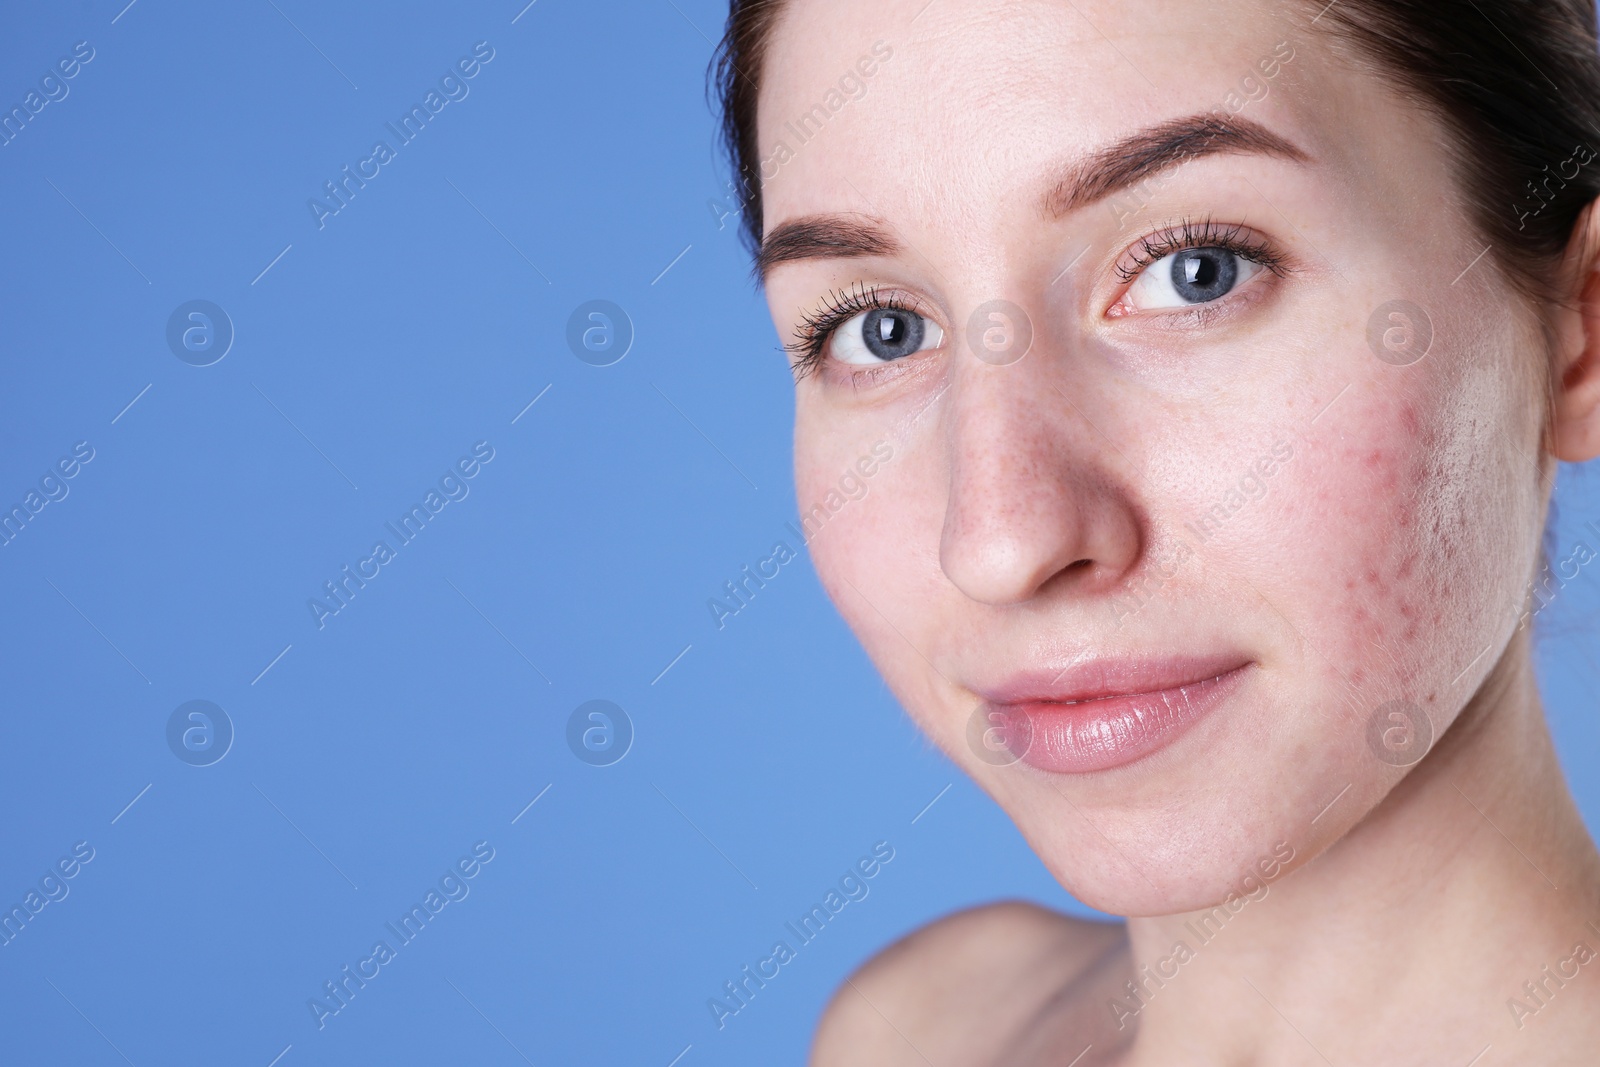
(1575, 375)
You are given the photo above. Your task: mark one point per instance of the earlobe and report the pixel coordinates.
(1575, 377)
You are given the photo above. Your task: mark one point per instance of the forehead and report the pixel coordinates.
(979, 103)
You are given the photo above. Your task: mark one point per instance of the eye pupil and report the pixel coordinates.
(1201, 274)
(891, 333)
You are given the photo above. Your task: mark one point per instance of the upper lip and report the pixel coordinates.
(1096, 679)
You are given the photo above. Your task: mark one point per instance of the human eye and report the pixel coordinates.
(883, 334)
(1192, 265)
(862, 328)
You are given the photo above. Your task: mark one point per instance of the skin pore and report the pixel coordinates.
(1047, 511)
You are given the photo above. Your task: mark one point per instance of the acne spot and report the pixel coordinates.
(1410, 420)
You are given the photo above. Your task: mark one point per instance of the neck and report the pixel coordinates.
(1420, 926)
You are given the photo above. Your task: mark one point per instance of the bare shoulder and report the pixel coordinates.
(958, 988)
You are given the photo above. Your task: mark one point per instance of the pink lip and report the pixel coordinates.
(1102, 714)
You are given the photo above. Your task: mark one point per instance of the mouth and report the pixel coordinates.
(1103, 714)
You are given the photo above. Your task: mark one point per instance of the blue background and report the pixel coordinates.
(370, 754)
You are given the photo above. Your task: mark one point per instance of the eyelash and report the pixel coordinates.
(809, 348)
(1205, 234)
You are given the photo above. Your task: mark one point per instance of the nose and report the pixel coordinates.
(1038, 498)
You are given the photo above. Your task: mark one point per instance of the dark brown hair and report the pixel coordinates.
(1515, 82)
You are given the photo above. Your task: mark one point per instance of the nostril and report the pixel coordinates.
(1074, 575)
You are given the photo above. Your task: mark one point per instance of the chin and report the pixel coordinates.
(1167, 868)
(1243, 798)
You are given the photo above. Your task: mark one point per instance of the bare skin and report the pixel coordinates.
(1041, 511)
(1423, 974)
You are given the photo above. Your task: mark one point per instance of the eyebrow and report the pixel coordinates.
(1107, 170)
(1157, 148)
(825, 237)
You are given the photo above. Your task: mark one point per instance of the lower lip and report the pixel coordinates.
(1096, 735)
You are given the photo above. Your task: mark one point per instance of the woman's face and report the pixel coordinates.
(1120, 455)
